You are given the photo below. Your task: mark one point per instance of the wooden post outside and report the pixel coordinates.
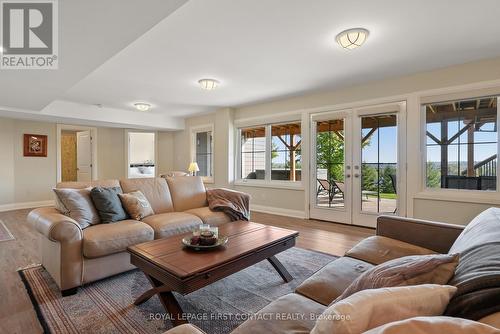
(444, 151)
(291, 149)
(470, 151)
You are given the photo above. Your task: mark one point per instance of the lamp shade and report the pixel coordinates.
(193, 167)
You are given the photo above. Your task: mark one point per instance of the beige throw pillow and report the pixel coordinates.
(371, 308)
(77, 204)
(407, 270)
(434, 325)
(136, 205)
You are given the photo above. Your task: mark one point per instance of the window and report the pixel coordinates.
(271, 152)
(202, 151)
(285, 152)
(253, 153)
(462, 144)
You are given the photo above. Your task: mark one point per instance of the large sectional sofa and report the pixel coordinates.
(477, 276)
(75, 256)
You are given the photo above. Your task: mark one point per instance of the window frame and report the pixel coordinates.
(267, 182)
(452, 194)
(193, 131)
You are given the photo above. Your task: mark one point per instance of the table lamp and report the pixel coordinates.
(193, 168)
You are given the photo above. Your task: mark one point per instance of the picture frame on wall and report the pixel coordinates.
(35, 145)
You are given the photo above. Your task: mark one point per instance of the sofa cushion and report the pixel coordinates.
(483, 229)
(272, 318)
(187, 192)
(210, 217)
(404, 271)
(77, 204)
(492, 320)
(155, 189)
(331, 280)
(377, 250)
(167, 224)
(90, 184)
(105, 239)
(478, 273)
(108, 204)
(371, 308)
(434, 325)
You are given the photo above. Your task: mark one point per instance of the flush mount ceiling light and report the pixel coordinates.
(352, 38)
(208, 84)
(141, 106)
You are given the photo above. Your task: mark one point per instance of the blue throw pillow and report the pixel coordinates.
(108, 204)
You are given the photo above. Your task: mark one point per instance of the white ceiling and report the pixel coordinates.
(259, 50)
(90, 32)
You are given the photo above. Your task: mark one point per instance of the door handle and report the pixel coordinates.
(356, 175)
(348, 175)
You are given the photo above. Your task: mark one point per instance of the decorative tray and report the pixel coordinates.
(221, 241)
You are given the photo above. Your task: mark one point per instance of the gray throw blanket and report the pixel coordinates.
(233, 203)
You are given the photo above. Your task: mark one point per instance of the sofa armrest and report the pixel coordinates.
(54, 225)
(62, 250)
(185, 329)
(435, 236)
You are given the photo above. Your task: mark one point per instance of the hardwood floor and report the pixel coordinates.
(18, 316)
(16, 312)
(318, 235)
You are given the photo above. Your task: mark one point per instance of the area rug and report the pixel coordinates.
(107, 306)
(5, 234)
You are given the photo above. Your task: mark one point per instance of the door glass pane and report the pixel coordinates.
(204, 153)
(379, 164)
(330, 164)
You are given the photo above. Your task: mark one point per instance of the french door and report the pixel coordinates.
(358, 164)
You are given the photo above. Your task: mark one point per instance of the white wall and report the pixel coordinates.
(111, 153)
(30, 179)
(404, 87)
(182, 140)
(165, 152)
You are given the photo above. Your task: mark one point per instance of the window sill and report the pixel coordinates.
(272, 184)
(464, 196)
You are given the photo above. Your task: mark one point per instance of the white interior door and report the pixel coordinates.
(358, 164)
(84, 156)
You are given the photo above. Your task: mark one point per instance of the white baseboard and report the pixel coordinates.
(278, 211)
(25, 205)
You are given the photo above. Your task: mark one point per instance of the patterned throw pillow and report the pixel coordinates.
(77, 204)
(404, 271)
(108, 204)
(136, 205)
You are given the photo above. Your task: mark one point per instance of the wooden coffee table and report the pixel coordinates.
(171, 267)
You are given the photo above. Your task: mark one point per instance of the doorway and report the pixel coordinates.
(76, 153)
(357, 164)
(141, 154)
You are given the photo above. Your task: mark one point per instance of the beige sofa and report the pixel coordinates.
(75, 257)
(396, 237)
